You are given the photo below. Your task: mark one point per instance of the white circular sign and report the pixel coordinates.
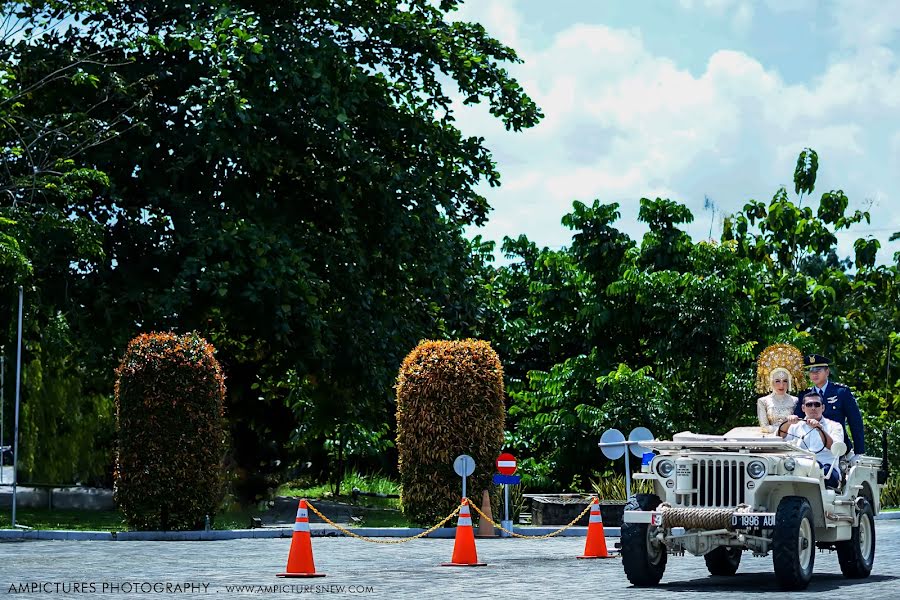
(639, 434)
(464, 465)
(612, 444)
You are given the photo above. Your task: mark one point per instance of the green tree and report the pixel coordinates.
(293, 187)
(46, 247)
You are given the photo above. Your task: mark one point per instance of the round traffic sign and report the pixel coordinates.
(506, 464)
(464, 465)
(612, 444)
(639, 434)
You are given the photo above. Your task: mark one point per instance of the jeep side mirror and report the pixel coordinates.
(838, 449)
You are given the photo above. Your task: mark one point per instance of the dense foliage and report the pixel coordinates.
(449, 402)
(287, 180)
(170, 438)
(663, 334)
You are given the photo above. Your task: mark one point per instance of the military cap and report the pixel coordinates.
(815, 360)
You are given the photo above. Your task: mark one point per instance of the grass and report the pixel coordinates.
(376, 483)
(384, 518)
(101, 520)
(112, 520)
(71, 520)
(381, 512)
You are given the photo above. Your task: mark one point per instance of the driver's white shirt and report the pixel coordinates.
(800, 431)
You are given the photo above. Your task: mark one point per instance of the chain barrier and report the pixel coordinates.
(532, 537)
(377, 541)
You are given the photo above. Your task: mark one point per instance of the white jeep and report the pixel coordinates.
(718, 495)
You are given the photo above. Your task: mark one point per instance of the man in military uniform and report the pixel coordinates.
(840, 405)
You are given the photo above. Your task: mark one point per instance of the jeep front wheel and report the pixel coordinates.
(723, 560)
(643, 556)
(857, 554)
(794, 543)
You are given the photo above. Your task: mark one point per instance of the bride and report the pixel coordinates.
(779, 370)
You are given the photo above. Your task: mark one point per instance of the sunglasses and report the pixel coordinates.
(813, 404)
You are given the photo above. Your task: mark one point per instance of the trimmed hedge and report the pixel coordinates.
(170, 432)
(450, 401)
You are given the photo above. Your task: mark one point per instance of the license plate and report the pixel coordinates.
(753, 521)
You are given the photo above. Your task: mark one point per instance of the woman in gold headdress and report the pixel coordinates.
(779, 370)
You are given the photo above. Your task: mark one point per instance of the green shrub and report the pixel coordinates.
(170, 434)
(890, 493)
(449, 402)
(611, 486)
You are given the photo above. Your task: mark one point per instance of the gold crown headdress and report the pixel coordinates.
(784, 356)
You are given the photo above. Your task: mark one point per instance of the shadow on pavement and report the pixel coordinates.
(758, 583)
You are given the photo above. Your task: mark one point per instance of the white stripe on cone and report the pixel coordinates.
(301, 526)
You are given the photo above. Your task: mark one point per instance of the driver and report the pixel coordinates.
(816, 434)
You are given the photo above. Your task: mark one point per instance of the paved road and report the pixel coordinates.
(356, 569)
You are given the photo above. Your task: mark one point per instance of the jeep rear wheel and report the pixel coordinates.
(643, 556)
(723, 560)
(794, 543)
(857, 554)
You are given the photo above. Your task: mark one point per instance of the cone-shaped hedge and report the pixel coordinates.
(169, 419)
(449, 402)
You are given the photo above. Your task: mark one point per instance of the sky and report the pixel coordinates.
(689, 100)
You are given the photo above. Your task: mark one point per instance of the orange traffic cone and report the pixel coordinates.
(485, 527)
(464, 554)
(300, 560)
(595, 545)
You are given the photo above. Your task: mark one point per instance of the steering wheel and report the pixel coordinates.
(817, 443)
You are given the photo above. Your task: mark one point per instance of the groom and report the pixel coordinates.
(840, 405)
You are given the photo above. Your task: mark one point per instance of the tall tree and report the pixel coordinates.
(293, 187)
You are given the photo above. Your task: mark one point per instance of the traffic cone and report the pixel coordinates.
(300, 560)
(464, 554)
(485, 527)
(595, 545)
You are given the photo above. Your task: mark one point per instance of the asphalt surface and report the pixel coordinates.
(358, 569)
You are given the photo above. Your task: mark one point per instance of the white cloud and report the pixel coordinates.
(739, 12)
(866, 22)
(623, 123)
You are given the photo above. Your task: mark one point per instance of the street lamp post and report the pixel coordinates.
(16, 424)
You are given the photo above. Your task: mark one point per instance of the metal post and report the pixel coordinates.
(16, 424)
(506, 523)
(506, 501)
(2, 404)
(627, 474)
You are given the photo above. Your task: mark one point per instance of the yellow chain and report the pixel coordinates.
(532, 537)
(373, 540)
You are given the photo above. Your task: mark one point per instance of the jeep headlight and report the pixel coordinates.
(665, 467)
(756, 469)
(789, 464)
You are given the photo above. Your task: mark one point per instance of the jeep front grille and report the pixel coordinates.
(719, 482)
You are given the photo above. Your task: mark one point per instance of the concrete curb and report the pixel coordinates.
(263, 533)
(285, 532)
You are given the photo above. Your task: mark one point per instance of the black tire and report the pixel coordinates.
(723, 560)
(857, 554)
(794, 543)
(644, 562)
